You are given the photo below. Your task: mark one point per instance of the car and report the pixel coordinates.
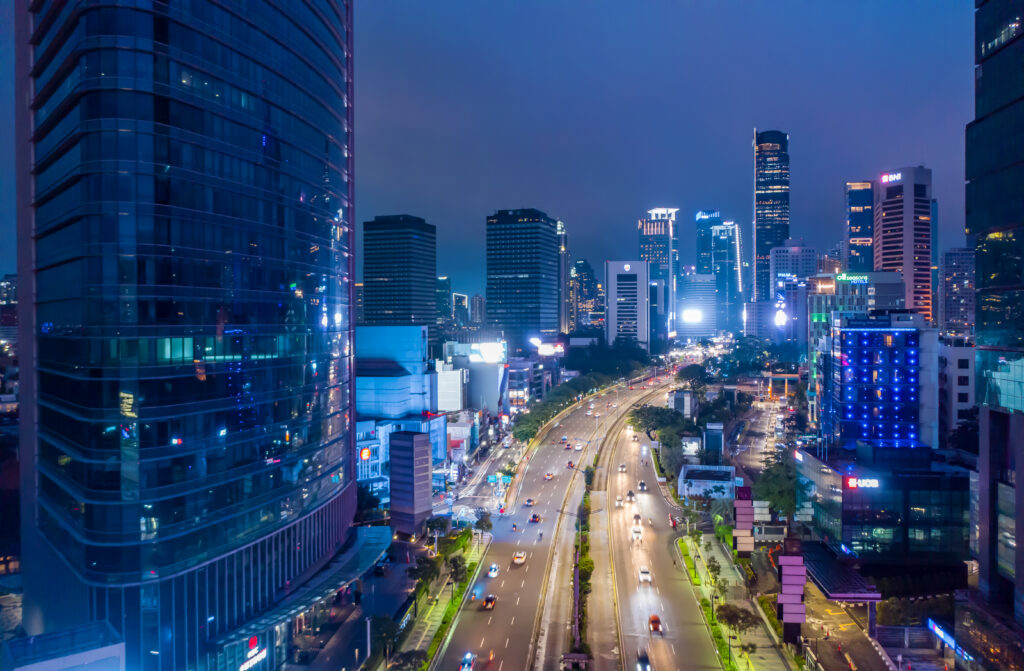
(615, 405)
(489, 601)
(596, 415)
(631, 387)
(589, 413)
(492, 572)
(529, 503)
(565, 439)
(637, 533)
(570, 465)
(549, 476)
(591, 406)
(579, 447)
(654, 624)
(630, 496)
(469, 661)
(645, 574)
(642, 486)
(636, 438)
(534, 518)
(622, 468)
(519, 558)
(618, 501)
(643, 661)
(637, 520)
(568, 446)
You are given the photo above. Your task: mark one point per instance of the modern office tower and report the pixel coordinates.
(843, 294)
(902, 239)
(657, 249)
(771, 204)
(522, 275)
(597, 315)
(587, 308)
(443, 299)
(792, 260)
(881, 382)
(725, 265)
(860, 226)
(359, 297)
(956, 385)
(995, 224)
(477, 309)
(705, 220)
(935, 261)
(564, 295)
(460, 308)
(628, 307)
(399, 271)
(411, 467)
(186, 266)
(956, 291)
(698, 305)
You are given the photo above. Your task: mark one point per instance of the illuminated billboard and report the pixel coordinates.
(488, 352)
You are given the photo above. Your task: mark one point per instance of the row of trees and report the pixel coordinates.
(529, 423)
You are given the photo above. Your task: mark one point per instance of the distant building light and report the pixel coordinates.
(692, 316)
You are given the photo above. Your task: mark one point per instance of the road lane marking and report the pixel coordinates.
(481, 643)
(523, 583)
(513, 621)
(506, 642)
(503, 584)
(517, 600)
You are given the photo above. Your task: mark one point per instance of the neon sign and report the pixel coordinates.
(254, 656)
(862, 483)
(892, 177)
(364, 454)
(852, 278)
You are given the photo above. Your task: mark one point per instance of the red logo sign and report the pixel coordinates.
(253, 642)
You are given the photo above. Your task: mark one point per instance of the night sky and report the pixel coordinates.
(595, 111)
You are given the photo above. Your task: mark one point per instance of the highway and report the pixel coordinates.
(685, 642)
(507, 630)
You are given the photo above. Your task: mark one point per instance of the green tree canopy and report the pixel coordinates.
(781, 486)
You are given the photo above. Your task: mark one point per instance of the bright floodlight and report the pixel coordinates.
(692, 316)
(535, 342)
(780, 318)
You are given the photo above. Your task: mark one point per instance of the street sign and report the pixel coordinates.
(492, 479)
(507, 479)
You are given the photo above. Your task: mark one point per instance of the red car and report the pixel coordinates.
(654, 624)
(569, 465)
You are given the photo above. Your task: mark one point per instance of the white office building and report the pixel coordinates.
(628, 297)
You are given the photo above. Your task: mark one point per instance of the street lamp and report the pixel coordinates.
(714, 600)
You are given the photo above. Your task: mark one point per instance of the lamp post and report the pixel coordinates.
(714, 600)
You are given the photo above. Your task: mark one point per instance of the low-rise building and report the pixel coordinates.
(712, 482)
(956, 385)
(411, 482)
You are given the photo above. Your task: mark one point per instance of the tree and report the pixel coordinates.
(714, 568)
(457, 565)
(483, 522)
(426, 569)
(410, 660)
(383, 632)
(694, 376)
(696, 535)
(721, 508)
(737, 618)
(438, 524)
(781, 486)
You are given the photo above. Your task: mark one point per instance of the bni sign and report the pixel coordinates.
(891, 177)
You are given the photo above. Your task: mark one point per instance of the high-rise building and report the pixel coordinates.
(443, 296)
(564, 295)
(522, 275)
(628, 311)
(460, 308)
(477, 309)
(705, 220)
(725, 265)
(771, 204)
(410, 481)
(399, 271)
(186, 267)
(698, 307)
(792, 260)
(995, 225)
(583, 287)
(902, 239)
(843, 294)
(657, 239)
(358, 300)
(860, 226)
(956, 291)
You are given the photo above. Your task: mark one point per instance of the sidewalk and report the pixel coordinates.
(432, 611)
(603, 628)
(767, 657)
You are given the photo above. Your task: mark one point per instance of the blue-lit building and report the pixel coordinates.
(860, 227)
(185, 248)
(771, 204)
(880, 382)
(705, 220)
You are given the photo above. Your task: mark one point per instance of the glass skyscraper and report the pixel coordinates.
(995, 226)
(657, 243)
(771, 204)
(725, 255)
(522, 275)
(705, 220)
(860, 226)
(400, 283)
(185, 250)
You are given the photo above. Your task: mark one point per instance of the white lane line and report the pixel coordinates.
(513, 620)
(523, 583)
(673, 648)
(502, 662)
(503, 584)
(481, 642)
(489, 619)
(517, 600)
(506, 642)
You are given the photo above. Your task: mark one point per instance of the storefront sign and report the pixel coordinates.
(862, 483)
(254, 656)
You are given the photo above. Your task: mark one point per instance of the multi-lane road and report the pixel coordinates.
(508, 628)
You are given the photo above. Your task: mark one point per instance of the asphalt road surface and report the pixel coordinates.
(508, 628)
(685, 642)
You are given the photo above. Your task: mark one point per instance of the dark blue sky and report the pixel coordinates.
(596, 111)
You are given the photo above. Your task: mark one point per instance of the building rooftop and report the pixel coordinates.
(379, 368)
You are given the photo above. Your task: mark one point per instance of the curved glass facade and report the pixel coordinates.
(193, 259)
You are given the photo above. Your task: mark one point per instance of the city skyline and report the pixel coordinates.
(528, 169)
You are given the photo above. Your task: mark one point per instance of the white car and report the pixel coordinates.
(645, 574)
(492, 572)
(638, 533)
(618, 501)
(622, 468)
(519, 558)
(579, 447)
